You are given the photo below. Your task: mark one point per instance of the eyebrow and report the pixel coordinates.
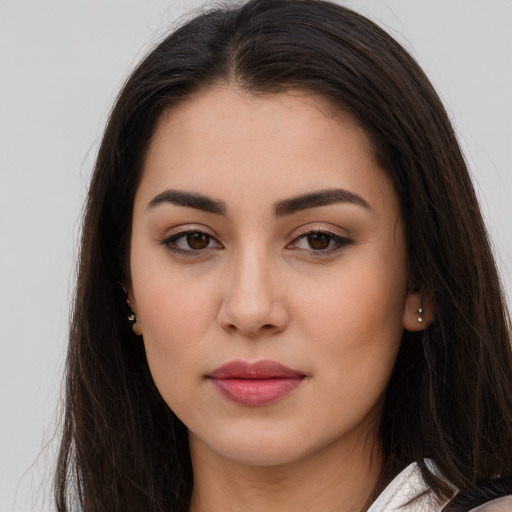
(190, 200)
(318, 198)
(281, 208)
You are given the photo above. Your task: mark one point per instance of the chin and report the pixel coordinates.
(253, 448)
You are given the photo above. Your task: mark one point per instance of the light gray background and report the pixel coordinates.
(61, 63)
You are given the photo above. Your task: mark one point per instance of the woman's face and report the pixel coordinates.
(268, 275)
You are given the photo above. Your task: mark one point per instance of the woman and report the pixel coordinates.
(281, 211)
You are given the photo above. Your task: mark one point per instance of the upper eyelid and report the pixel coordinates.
(180, 231)
(297, 233)
(189, 228)
(170, 243)
(339, 236)
(334, 236)
(312, 228)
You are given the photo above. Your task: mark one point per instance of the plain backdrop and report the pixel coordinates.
(61, 64)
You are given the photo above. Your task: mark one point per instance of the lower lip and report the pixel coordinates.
(255, 392)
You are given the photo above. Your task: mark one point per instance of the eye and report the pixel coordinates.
(320, 242)
(196, 240)
(191, 242)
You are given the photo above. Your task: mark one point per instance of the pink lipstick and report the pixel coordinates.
(255, 384)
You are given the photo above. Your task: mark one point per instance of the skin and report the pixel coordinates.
(256, 286)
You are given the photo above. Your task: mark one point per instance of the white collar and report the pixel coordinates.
(404, 487)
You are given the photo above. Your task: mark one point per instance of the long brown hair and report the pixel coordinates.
(450, 396)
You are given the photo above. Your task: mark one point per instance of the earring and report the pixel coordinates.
(132, 319)
(420, 315)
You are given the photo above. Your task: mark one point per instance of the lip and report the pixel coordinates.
(255, 383)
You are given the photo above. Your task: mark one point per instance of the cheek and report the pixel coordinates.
(174, 302)
(171, 328)
(356, 316)
(178, 309)
(175, 316)
(355, 303)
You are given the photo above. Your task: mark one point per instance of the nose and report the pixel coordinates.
(254, 300)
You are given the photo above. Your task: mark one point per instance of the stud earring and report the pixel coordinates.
(132, 319)
(420, 315)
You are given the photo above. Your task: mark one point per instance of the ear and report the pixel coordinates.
(418, 310)
(130, 298)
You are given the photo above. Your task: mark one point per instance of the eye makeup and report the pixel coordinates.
(198, 241)
(191, 241)
(320, 242)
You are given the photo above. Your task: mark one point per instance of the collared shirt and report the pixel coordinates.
(409, 484)
(405, 487)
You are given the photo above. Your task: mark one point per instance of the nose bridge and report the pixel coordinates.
(252, 301)
(251, 287)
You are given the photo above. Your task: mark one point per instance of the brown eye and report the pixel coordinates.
(191, 243)
(319, 241)
(198, 240)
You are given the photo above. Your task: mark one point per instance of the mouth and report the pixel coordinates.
(255, 383)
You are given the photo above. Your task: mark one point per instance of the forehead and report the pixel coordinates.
(222, 140)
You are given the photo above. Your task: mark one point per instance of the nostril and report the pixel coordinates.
(252, 315)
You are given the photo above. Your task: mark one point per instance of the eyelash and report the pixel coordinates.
(340, 243)
(170, 243)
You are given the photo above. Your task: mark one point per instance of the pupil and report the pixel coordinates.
(319, 240)
(197, 240)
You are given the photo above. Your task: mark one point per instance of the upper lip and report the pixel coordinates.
(264, 369)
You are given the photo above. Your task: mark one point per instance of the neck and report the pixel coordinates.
(332, 480)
